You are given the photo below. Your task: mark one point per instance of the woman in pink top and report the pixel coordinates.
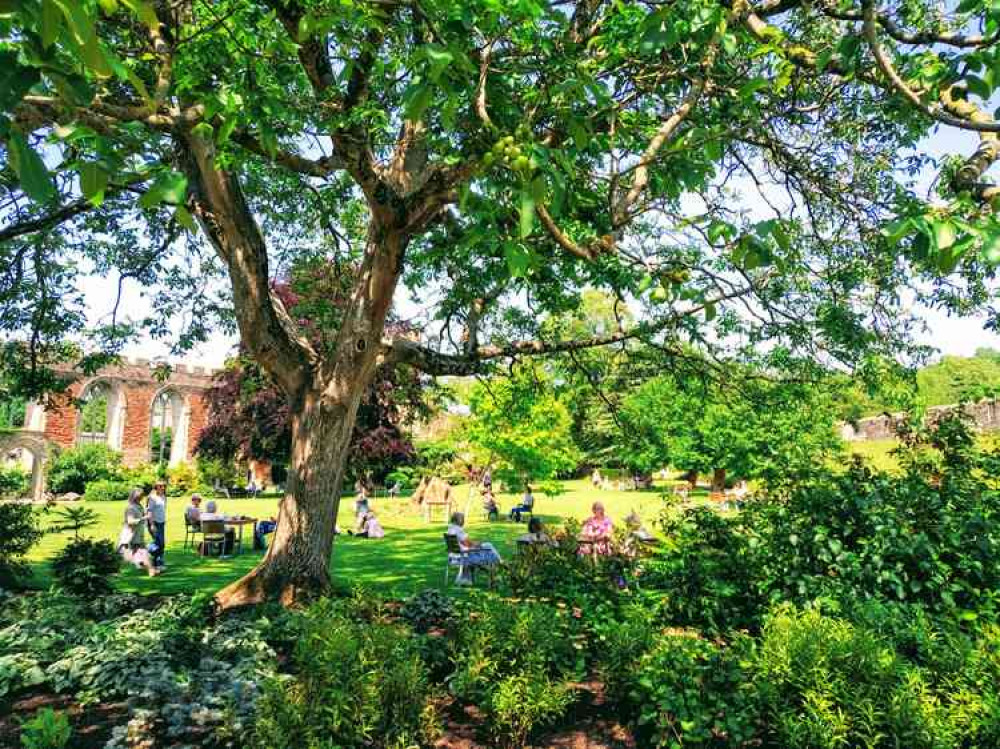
(595, 536)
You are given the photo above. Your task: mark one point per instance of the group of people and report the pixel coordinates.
(138, 519)
(152, 518)
(492, 509)
(595, 539)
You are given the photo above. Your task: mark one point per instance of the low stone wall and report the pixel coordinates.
(984, 416)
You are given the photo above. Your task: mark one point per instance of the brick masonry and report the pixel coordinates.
(136, 381)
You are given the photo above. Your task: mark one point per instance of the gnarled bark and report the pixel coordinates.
(297, 563)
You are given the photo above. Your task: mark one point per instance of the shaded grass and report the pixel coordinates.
(410, 558)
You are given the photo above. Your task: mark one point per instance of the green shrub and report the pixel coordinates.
(108, 490)
(142, 476)
(216, 472)
(619, 638)
(15, 482)
(428, 609)
(825, 682)
(48, 729)
(182, 479)
(355, 684)
(523, 702)
(707, 570)
(19, 531)
(86, 565)
(689, 692)
(73, 469)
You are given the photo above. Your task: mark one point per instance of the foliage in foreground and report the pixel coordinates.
(85, 566)
(19, 531)
(362, 683)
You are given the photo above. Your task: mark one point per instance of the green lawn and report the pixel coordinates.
(877, 453)
(409, 558)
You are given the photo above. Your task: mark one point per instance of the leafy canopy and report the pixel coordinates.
(738, 172)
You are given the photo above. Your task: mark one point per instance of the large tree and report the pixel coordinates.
(494, 157)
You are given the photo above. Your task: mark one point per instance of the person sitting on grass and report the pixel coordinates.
(370, 527)
(490, 506)
(527, 505)
(536, 535)
(595, 536)
(361, 505)
(480, 554)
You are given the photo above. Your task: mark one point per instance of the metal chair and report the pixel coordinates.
(213, 534)
(461, 558)
(457, 557)
(192, 528)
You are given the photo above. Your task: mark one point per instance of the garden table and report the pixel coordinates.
(239, 523)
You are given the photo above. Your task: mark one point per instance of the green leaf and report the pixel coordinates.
(52, 19)
(439, 59)
(185, 219)
(31, 170)
(539, 187)
(145, 11)
(979, 87)
(944, 234)
(204, 130)
(992, 251)
(416, 99)
(168, 187)
(710, 312)
(751, 87)
(93, 182)
(15, 80)
(897, 230)
(527, 222)
(73, 88)
(518, 259)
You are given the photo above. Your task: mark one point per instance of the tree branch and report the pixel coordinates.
(885, 65)
(60, 215)
(265, 325)
(590, 252)
(405, 351)
(323, 167)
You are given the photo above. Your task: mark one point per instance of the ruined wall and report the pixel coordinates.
(134, 385)
(983, 416)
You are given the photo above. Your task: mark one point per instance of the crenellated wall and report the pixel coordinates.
(133, 385)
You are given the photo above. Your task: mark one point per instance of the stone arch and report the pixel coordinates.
(38, 446)
(170, 410)
(110, 430)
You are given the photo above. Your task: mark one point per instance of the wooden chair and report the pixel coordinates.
(213, 534)
(192, 528)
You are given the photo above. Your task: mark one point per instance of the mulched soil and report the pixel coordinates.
(586, 727)
(91, 725)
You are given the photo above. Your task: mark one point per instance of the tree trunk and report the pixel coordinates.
(719, 480)
(692, 478)
(297, 563)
